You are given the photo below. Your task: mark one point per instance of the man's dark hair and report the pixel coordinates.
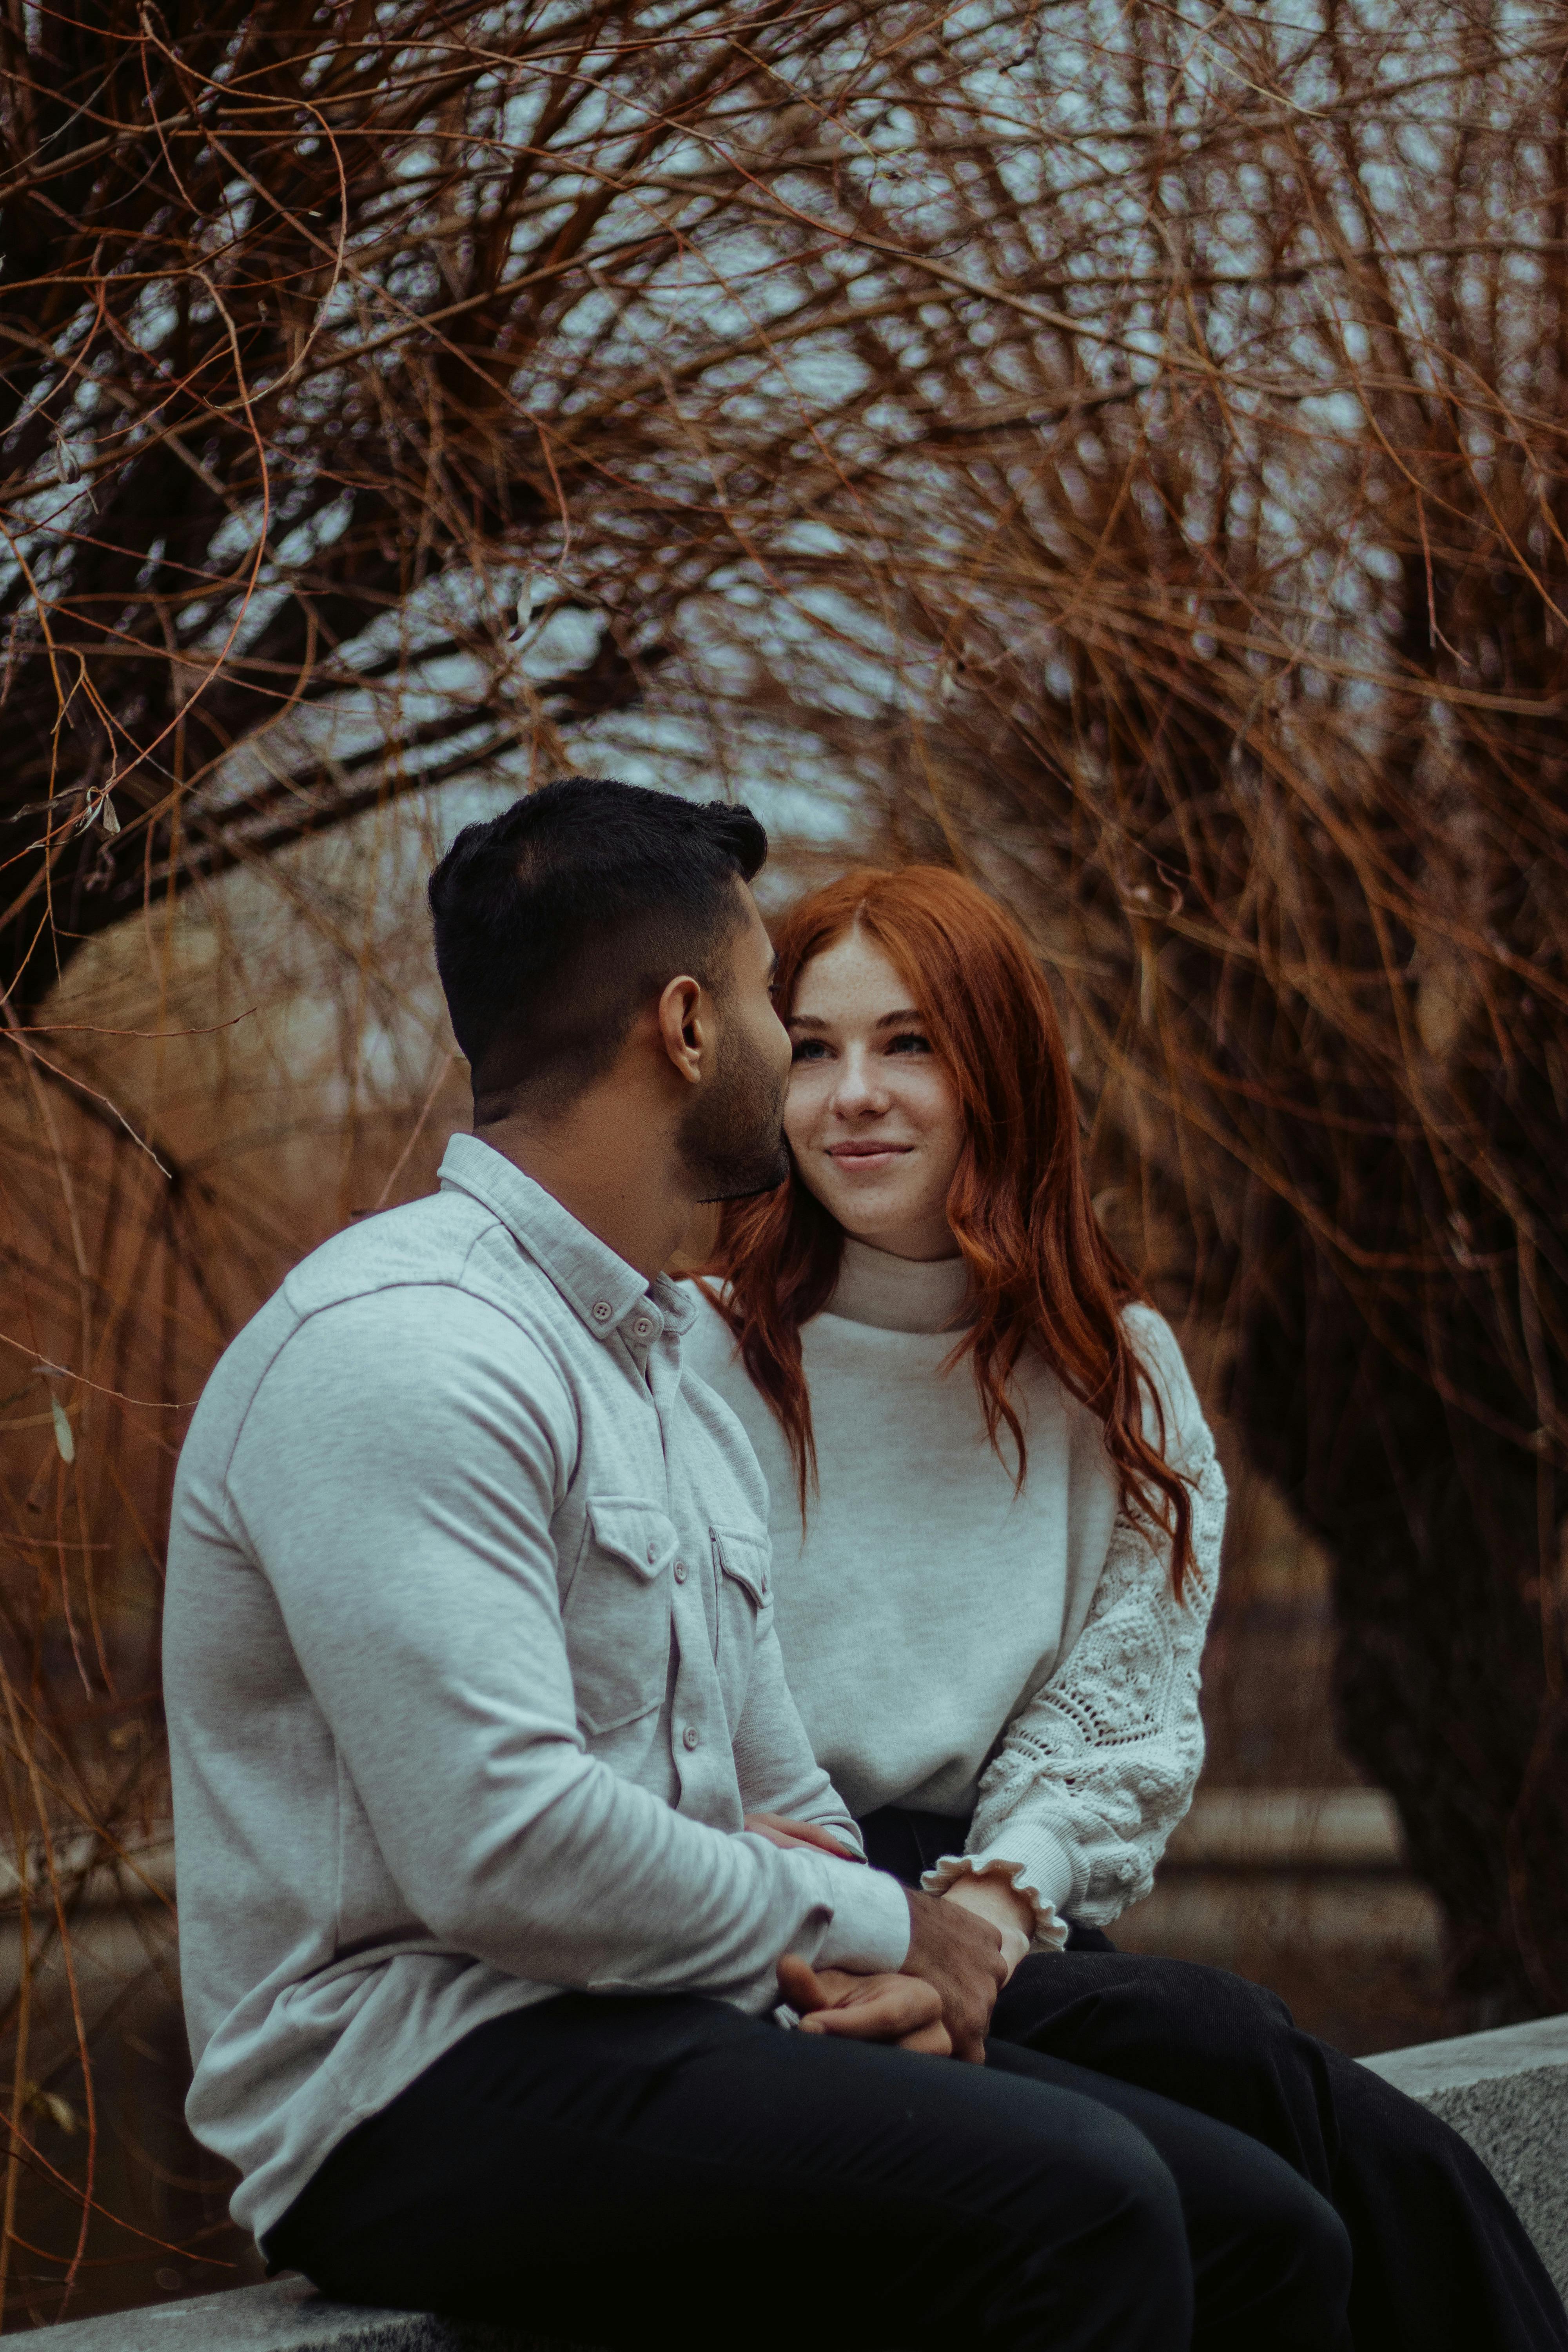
(558, 921)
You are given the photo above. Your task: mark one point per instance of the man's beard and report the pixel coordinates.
(731, 1138)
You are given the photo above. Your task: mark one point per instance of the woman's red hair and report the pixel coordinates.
(1041, 1273)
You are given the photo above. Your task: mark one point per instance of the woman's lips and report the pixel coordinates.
(859, 1155)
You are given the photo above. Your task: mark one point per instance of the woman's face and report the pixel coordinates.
(872, 1116)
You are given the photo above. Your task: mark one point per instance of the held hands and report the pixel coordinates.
(992, 1896)
(961, 1955)
(958, 1953)
(900, 2010)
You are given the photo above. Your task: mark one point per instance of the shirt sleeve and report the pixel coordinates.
(1099, 1764)
(395, 1480)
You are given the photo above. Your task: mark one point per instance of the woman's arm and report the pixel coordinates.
(991, 1894)
(1098, 1765)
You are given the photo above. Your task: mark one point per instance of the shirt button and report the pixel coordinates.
(691, 1736)
(680, 1571)
(642, 1328)
(601, 1311)
(652, 1554)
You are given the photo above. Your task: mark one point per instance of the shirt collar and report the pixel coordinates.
(603, 1289)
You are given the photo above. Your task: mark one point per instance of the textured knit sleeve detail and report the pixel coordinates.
(1099, 1764)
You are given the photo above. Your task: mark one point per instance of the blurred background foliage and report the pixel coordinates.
(1117, 446)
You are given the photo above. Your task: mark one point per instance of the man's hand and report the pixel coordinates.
(778, 1830)
(904, 2011)
(992, 1896)
(959, 1954)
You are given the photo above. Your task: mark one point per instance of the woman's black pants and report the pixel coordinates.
(623, 2171)
(1442, 2262)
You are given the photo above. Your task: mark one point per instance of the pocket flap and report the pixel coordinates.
(634, 1532)
(744, 1554)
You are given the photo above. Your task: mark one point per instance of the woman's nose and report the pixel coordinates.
(860, 1088)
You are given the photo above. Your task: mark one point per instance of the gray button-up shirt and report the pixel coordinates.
(471, 1673)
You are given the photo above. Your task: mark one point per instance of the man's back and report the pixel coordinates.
(463, 1573)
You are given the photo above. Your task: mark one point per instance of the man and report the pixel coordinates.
(472, 1685)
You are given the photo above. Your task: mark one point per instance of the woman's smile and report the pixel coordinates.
(868, 1155)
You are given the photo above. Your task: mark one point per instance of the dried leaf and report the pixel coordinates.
(527, 597)
(49, 2103)
(63, 1437)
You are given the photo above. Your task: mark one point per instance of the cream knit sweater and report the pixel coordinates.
(955, 1646)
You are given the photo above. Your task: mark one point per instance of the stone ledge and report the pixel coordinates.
(285, 2316)
(1506, 2093)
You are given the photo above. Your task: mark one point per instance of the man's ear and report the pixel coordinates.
(686, 1025)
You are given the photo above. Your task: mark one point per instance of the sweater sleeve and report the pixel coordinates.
(1097, 1765)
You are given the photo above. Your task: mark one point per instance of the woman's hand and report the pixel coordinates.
(778, 1830)
(996, 1898)
(904, 2010)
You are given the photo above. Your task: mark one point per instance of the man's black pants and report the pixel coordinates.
(607, 2169)
(1442, 2260)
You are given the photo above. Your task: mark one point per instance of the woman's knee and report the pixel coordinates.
(1224, 2012)
(1204, 2027)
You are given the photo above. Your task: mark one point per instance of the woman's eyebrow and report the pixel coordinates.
(886, 1021)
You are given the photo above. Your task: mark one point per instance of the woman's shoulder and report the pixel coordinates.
(1159, 1352)
(709, 1347)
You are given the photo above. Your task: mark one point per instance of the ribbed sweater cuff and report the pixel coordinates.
(1036, 1864)
(870, 1929)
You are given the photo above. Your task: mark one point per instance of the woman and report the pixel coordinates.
(996, 1519)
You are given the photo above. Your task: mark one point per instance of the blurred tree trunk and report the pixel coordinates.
(1449, 1676)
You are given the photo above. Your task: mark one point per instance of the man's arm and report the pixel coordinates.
(395, 1478)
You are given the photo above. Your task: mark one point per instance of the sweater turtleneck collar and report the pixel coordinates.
(899, 1294)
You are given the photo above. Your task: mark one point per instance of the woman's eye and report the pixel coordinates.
(807, 1049)
(908, 1043)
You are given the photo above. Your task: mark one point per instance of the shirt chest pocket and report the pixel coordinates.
(741, 1557)
(616, 1615)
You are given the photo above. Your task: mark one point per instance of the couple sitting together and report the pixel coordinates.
(653, 1761)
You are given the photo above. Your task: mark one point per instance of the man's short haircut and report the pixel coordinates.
(557, 921)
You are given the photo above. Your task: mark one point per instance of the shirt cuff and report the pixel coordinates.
(1035, 1863)
(870, 1928)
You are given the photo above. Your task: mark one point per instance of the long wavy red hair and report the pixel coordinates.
(1042, 1275)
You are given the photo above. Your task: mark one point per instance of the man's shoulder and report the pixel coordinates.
(430, 1241)
(400, 1287)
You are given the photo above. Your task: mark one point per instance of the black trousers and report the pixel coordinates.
(1442, 2262)
(618, 2171)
